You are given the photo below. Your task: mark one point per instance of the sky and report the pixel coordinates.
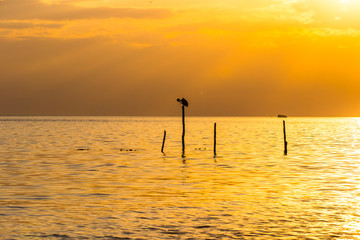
(136, 57)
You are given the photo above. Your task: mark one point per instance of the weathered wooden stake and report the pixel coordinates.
(214, 139)
(184, 104)
(285, 142)
(183, 132)
(163, 144)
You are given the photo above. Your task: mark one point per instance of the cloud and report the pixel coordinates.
(25, 25)
(34, 9)
(333, 13)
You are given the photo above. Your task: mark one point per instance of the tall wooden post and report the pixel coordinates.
(183, 132)
(214, 139)
(184, 104)
(285, 142)
(162, 148)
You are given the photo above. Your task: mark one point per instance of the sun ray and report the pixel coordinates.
(345, 2)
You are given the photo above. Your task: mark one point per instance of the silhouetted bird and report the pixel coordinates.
(183, 102)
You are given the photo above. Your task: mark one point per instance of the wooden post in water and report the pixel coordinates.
(285, 142)
(183, 132)
(214, 139)
(184, 104)
(163, 144)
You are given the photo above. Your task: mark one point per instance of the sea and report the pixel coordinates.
(106, 178)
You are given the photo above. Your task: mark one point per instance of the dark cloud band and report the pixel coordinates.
(33, 9)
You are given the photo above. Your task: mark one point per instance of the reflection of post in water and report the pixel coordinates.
(163, 144)
(214, 139)
(184, 104)
(285, 142)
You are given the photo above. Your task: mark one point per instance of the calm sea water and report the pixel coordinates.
(105, 178)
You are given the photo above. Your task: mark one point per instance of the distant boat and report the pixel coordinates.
(281, 116)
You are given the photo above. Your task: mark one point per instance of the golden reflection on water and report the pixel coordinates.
(49, 189)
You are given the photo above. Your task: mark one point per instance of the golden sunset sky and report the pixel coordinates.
(136, 57)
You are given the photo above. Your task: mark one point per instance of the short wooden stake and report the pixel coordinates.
(214, 139)
(163, 144)
(285, 142)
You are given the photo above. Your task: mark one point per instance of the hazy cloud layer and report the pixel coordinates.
(24, 25)
(87, 77)
(34, 9)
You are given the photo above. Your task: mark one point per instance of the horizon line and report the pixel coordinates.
(229, 116)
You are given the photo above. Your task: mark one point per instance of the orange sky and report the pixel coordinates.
(136, 57)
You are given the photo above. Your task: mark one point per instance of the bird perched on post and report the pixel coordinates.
(183, 102)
